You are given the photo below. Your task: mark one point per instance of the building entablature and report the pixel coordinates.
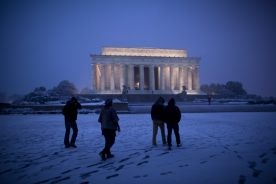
(149, 52)
(138, 60)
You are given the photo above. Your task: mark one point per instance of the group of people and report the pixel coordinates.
(109, 125)
(169, 115)
(108, 118)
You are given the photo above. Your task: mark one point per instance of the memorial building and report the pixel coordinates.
(144, 71)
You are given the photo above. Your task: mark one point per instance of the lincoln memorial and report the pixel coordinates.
(144, 71)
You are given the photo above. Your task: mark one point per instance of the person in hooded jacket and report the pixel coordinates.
(70, 112)
(109, 125)
(157, 116)
(172, 118)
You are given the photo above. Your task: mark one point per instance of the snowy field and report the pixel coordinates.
(217, 148)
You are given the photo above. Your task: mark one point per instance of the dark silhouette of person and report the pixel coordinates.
(172, 118)
(109, 124)
(70, 112)
(209, 99)
(157, 116)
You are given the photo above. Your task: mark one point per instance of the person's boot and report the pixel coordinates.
(73, 145)
(102, 155)
(109, 155)
(67, 146)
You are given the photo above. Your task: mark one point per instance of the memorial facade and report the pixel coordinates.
(144, 71)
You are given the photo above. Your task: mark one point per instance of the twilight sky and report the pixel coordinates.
(44, 42)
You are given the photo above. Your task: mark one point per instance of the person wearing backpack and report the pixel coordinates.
(70, 112)
(172, 118)
(109, 125)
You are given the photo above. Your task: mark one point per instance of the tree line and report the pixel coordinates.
(232, 88)
(66, 89)
(40, 94)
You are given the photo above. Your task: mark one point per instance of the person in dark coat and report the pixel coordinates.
(157, 116)
(70, 112)
(209, 99)
(109, 124)
(172, 118)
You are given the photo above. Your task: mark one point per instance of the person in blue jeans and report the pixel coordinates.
(109, 125)
(172, 118)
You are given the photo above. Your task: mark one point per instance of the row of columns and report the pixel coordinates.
(170, 77)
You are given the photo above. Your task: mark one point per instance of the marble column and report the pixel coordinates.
(167, 78)
(180, 78)
(185, 76)
(93, 72)
(171, 77)
(102, 78)
(97, 77)
(162, 77)
(196, 78)
(159, 77)
(122, 76)
(190, 78)
(142, 77)
(151, 77)
(112, 82)
(131, 76)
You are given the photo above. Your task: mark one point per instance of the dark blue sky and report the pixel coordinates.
(44, 42)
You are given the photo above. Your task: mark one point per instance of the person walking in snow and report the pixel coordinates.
(70, 112)
(109, 124)
(172, 118)
(157, 116)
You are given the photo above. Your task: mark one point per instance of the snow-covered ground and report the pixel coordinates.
(217, 148)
